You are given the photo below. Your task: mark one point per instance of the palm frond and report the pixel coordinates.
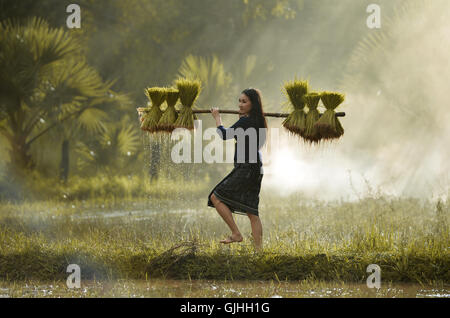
(92, 120)
(27, 51)
(210, 71)
(128, 141)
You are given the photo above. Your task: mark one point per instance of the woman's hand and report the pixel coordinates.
(215, 113)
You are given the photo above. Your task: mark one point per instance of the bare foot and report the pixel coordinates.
(232, 238)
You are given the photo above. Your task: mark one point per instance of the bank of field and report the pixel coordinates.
(169, 239)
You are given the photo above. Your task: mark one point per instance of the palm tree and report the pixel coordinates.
(43, 84)
(26, 54)
(95, 121)
(114, 150)
(211, 72)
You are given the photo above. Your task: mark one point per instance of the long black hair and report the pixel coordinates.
(256, 112)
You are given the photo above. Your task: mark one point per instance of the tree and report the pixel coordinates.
(44, 83)
(115, 149)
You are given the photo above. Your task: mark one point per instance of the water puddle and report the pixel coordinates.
(133, 215)
(206, 288)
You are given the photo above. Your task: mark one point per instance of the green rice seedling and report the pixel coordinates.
(189, 90)
(296, 121)
(328, 125)
(169, 116)
(312, 134)
(157, 95)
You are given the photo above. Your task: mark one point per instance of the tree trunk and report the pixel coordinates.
(64, 166)
(21, 160)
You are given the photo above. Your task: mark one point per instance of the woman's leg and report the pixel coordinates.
(227, 216)
(255, 222)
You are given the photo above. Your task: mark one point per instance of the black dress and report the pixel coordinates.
(239, 190)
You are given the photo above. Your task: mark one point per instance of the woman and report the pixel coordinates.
(239, 191)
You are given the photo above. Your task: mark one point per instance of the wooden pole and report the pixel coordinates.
(227, 111)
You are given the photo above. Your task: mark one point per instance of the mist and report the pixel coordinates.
(396, 139)
(394, 78)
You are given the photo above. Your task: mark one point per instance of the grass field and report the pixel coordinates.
(151, 240)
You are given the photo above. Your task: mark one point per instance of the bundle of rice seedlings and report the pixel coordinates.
(157, 95)
(169, 116)
(296, 121)
(312, 133)
(328, 125)
(188, 90)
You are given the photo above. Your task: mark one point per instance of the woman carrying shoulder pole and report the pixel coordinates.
(239, 191)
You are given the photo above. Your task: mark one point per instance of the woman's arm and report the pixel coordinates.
(220, 129)
(227, 133)
(215, 113)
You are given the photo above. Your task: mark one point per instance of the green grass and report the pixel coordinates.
(170, 239)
